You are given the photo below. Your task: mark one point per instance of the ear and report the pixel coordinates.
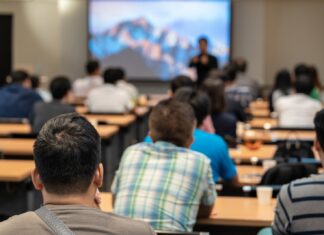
(98, 177)
(190, 141)
(37, 182)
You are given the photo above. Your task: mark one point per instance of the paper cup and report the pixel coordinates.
(264, 195)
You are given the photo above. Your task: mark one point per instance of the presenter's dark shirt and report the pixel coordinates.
(203, 69)
(17, 101)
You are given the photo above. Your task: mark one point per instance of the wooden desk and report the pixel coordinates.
(260, 122)
(81, 109)
(275, 135)
(235, 211)
(17, 147)
(243, 153)
(107, 131)
(19, 128)
(119, 120)
(249, 175)
(15, 170)
(260, 113)
(259, 104)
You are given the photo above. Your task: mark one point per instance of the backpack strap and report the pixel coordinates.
(52, 221)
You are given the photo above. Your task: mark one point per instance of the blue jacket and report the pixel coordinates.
(17, 101)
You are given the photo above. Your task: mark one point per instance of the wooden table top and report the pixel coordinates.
(260, 122)
(107, 131)
(21, 147)
(15, 170)
(243, 153)
(19, 128)
(260, 112)
(259, 104)
(249, 175)
(236, 211)
(274, 135)
(120, 120)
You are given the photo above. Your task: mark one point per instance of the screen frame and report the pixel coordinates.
(156, 79)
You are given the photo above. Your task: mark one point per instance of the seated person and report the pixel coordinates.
(122, 83)
(224, 122)
(211, 145)
(17, 98)
(82, 86)
(165, 183)
(298, 109)
(36, 86)
(61, 92)
(68, 173)
(109, 98)
(179, 82)
(299, 204)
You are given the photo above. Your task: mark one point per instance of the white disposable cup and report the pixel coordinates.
(267, 164)
(264, 195)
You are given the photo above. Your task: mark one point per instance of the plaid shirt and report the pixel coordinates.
(164, 185)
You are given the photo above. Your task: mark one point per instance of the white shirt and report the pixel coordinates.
(109, 99)
(297, 110)
(82, 86)
(130, 89)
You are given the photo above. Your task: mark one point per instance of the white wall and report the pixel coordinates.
(51, 35)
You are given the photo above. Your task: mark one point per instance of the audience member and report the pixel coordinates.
(109, 98)
(243, 79)
(233, 90)
(299, 204)
(163, 182)
(224, 123)
(203, 62)
(61, 92)
(68, 173)
(36, 85)
(17, 98)
(282, 87)
(298, 109)
(179, 82)
(121, 82)
(82, 86)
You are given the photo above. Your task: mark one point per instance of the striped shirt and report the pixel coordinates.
(300, 207)
(164, 185)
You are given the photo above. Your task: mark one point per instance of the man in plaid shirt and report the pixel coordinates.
(164, 183)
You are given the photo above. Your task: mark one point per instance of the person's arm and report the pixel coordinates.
(194, 61)
(205, 211)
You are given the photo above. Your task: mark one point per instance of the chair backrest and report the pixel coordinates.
(181, 233)
(286, 172)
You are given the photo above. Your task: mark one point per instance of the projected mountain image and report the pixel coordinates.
(162, 53)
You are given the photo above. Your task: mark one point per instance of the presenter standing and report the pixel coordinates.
(203, 62)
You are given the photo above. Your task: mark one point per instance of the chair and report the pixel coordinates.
(181, 233)
(286, 172)
(265, 231)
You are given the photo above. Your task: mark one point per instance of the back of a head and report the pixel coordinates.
(319, 127)
(304, 84)
(112, 75)
(301, 69)
(19, 76)
(215, 89)
(92, 67)
(230, 71)
(283, 81)
(67, 154)
(241, 64)
(172, 121)
(59, 87)
(35, 81)
(199, 101)
(179, 82)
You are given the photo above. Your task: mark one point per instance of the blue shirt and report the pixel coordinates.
(215, 148)
(17, 101)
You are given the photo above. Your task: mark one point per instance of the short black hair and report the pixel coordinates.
(92, 66)
(181, 81)
(199, 101)
(60, 86)
(67, 154)
(35, 81)
(241, 65)
(230, 72)
(19, 76)
(203, 39)
(172, 121)
(319, 127)
(304, 84)
(301, 69)
(283, 81)
(113, 74)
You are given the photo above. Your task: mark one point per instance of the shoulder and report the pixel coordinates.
(28, 222)
(213, 139)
